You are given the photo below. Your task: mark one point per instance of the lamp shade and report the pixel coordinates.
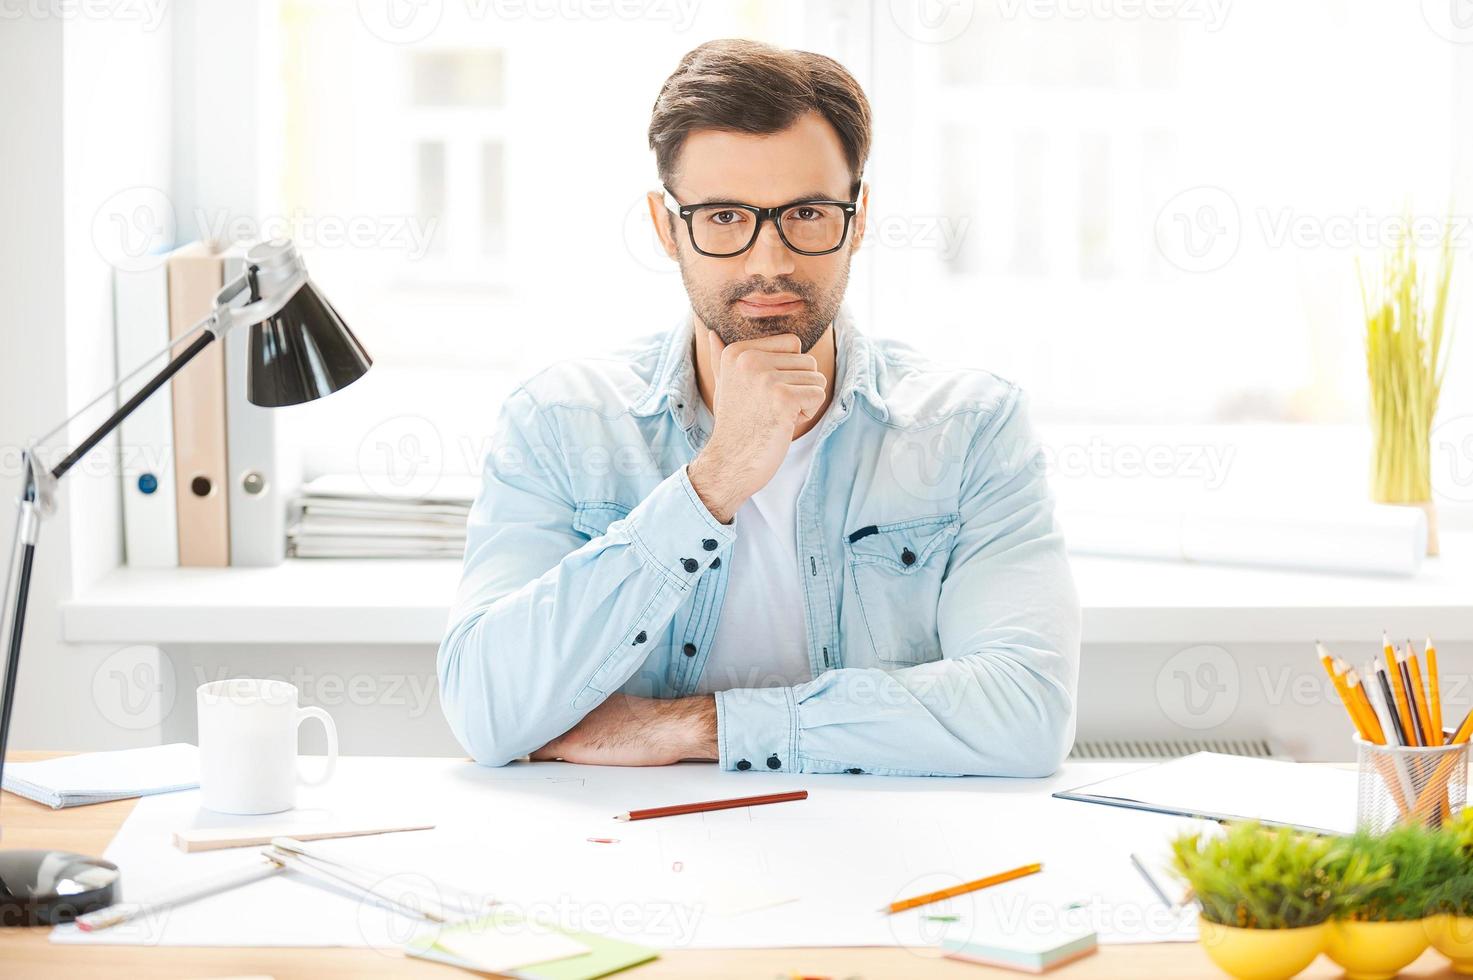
(303, 352)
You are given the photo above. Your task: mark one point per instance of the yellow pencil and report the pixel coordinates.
(1339, 672)
(971, 886)
(1363, 703)
(1434, 689)
(1438, 782)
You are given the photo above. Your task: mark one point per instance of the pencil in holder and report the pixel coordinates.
(1409, 784)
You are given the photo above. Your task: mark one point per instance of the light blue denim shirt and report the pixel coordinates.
(942, 620)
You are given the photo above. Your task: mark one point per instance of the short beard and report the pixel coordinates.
(717, 307)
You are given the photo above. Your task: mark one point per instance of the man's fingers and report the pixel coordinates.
(791, 362)
(808, 399)
(781, 343)
(802, 379)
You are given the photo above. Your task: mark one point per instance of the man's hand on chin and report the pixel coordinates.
(630, 731)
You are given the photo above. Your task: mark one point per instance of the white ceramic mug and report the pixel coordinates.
(248, 745)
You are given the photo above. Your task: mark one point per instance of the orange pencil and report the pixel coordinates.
(1336, 669)
(1363, 703)
(1419, 697)
(971, 886)
(1438, 782)
(1434, 691)
(1398, 686)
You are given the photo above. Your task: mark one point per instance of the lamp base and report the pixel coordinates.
(44, 888)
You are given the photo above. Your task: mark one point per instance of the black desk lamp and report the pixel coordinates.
(300, 350)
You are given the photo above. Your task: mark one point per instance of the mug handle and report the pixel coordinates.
(332, 744)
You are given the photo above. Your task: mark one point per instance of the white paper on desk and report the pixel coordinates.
(1320, 799)
(96, 777)
(520, 834)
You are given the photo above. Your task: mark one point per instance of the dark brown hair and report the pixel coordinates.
(750, 87)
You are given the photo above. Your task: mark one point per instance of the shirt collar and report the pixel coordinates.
(674, 386)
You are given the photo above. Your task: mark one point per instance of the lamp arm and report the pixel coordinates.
(37, 501)
(230, 301)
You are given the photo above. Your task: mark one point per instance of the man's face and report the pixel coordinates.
(768, 289)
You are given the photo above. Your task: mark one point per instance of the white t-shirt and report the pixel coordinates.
(761, 638)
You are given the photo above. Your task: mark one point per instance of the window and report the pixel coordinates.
(1141, 213)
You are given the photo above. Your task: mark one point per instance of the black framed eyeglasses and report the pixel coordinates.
(727, 228)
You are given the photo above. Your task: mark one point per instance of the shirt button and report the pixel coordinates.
(773, 762)
(744, 765)
(690, 564)
(690, 649)
(709, 544)
(907, 557)
(640, 637)
(716, 562)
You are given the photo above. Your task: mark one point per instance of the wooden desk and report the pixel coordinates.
(26, 953)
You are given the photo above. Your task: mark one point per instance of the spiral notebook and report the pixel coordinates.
(1211, 786)
(99, 777)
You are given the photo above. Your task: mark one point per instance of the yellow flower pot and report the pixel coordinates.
(1452, 936)
(1376, 950)
(1261, 954)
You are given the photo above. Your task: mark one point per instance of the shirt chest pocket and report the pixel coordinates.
(897, 569)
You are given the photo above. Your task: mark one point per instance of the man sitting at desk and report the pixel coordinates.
(762, 538)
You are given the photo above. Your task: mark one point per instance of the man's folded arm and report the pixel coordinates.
(546, 624)
(1000, 701)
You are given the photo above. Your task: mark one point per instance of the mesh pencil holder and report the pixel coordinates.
(1409, 785)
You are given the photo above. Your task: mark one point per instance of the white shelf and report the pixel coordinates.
(299, 601)
(407, 602)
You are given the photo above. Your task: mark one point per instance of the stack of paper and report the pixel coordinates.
(1213, 786)
(503, 943)
(341, 516)
(97, 777)
(1023, 950)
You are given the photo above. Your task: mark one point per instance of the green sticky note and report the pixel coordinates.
(604, 956)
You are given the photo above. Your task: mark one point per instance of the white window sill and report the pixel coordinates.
(1125, 601)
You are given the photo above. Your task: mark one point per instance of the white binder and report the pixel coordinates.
(261, 479)
(146, 438)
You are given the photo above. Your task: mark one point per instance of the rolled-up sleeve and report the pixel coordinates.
(546, 622)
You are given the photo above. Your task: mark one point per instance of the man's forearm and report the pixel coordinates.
(633, 731)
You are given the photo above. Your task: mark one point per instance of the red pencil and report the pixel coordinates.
(671, 811)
